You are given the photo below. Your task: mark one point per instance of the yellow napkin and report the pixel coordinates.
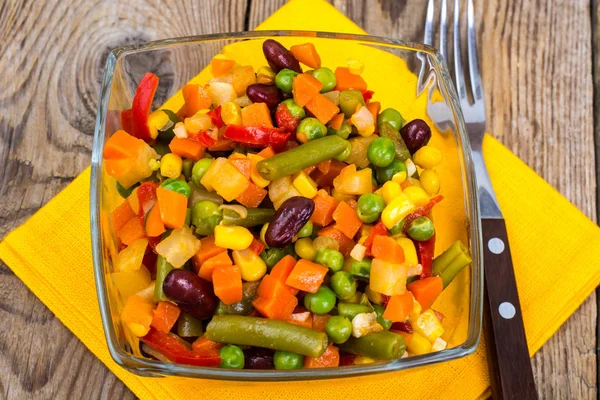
(51, 253)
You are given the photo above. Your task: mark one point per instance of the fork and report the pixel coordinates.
(508, 357)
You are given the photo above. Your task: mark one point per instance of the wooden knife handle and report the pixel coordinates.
(508, 357)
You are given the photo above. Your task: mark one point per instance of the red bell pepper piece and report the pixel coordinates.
(127, 121)
(146, 193)
(368, 95)
(425, 252)
(172, 349)
(253, 136)
(206, 138)
(378, 229)
(215, 116)
(256, 246)
(285, 119)
(142, 102)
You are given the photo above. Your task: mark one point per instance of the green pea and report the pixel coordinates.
(385, 174)
(287, 360)
(231, 357)
(178, 186)
(284, 79)
(326, 77)
(381, 152)
(392, 117)
(199, 169)
(369, 207)
(421, 229)
(273, 255)
(343, 284)
(344, 154)
(125, 192)
(361, 269)
(294, 109)
(338, 329)
(398, 228)
(205, 216)
(306, 230)
(332, 259)
(386, 323)
(186, 170)
(349, 99)
(344, 131)
(310, 129)
(351, 310)
(320, 302)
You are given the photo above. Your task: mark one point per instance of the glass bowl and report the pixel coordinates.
(410, 77)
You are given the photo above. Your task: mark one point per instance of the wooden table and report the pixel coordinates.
(539, 70)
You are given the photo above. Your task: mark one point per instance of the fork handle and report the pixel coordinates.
(508, 357)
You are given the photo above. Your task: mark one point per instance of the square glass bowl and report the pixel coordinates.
(411, 78)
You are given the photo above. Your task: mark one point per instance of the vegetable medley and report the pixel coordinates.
(279, 219)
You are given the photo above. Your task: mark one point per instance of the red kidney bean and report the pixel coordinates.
(288, 220)
(258, 358)
(193, 294)
(416, 134)
(279, 57)
(261, 93)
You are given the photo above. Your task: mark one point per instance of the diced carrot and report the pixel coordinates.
(243, 165)
(378, 229)
(345, 245)
(319, 322)
(426, 290)
(346, 80)
(164, 316)
(283, 268)
(322, 108)
(307, 55)
(138, 311)
(154, 224)
(305, 87)
(227, 282)
(121, 215)
(337, 121)
(374, 108)
(196, 98)
(399, 307)
(187, 148)
(267, 152)
(386, 248)
(208, 249)
(173, 207)
(346, 220)
(252, 196)
(220, 66)
(222, 145)
(309, 170)
(307, 276)
(271, 287)
(208, 267)
(204, 346)
(242, 77)
(121, 145)
(257, 114)
(256, 246)
(280, 307)
(327, 171)
(131, 231)
(329, 359)
(325, 205)
(302, 319)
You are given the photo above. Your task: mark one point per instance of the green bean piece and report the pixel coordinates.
(388, 131)
(344, 131)
(125, 192)
(255, 217)
(162, 270)
(379, 310)
(351, 310)
(448, 264)
(199, 194)
(306, 155)
(349, 99)
(361, 269)
(186, 170)
(188, 326)
(166, 134)
(269, 333)
(382, 345)
(242, 307)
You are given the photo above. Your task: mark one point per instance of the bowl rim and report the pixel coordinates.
(147, 367)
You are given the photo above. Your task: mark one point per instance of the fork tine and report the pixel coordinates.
(428, 39)
(443, 30)
(459, 75)
(476, 88)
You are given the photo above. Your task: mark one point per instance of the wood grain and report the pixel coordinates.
(539, 104)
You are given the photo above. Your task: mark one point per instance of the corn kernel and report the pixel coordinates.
(255, 176)
(417, 196)
(197, 122)
(305, 185)
(429, 326)
(263, 232)
(427, 157)
(171, 165)
(389, 191)
(233, 237)
(399, 208)
(410, 252)
(342, 196)
(154, 164)
(418, 344)
(265, 75)
(413, 316)
(156, 121)
(430, 181)
(355, 66)
(363, 360)
(399, 177)
(138, 330)
(305, 249)
(231, 113)
(252, 267)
